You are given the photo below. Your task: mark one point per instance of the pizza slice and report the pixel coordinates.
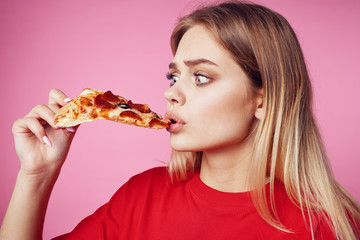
(93, 104)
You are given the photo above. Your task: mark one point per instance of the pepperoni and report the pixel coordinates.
(105, 101)
(131, 114)
(99, 102)
(143, 108)
(110, 97)
(158, 122)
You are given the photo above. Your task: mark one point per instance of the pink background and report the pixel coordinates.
(124, 46)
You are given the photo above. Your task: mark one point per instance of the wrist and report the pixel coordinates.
(40, 180)
(25, 216)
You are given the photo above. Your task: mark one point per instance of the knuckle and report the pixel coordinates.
(16, 124)
(40, 107)
(30, 121)
(41, 111)
(56, 96)
(34, 125)
(56, 93)
(53, 92)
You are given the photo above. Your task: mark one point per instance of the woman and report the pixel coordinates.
(247, 163)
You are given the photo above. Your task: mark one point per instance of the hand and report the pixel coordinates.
(41, 146)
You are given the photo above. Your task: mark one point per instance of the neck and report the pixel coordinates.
(227, 169)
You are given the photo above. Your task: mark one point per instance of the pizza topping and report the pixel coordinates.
(85, 102)
(110, 97)
(99, 102)
(93, 114)
(143, 108)
(105, 101)
(131, 114)
(158, 122)
(123, 105)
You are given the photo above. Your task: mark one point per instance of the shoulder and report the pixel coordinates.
(150, 175)
(300, 220)
(140, 189)
(149, 180)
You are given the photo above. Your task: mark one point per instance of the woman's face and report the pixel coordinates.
(210, 98)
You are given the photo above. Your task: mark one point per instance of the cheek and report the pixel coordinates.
(227, 119)
(231, 106)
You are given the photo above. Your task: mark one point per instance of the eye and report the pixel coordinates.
(201, 79)
(173, 78)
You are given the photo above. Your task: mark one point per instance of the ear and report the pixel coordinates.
(259, 111)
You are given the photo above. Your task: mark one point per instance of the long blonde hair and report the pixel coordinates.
(288, 146)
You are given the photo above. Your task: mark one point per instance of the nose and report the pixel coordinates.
(174, 95)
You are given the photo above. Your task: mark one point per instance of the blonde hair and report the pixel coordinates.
(288, 146)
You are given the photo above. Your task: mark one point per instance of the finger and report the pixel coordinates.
(57, 97)
(31, 126)
(70, 132)
(45, 113)
(38, 130)
(54, 107)
(72, 129)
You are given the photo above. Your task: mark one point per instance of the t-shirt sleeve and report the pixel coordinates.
(116, 217)
(102, 224)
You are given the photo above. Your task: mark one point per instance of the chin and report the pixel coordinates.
(184, 147)
(180, 146)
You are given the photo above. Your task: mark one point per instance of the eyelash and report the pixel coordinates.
(171, 76)
(197, 75)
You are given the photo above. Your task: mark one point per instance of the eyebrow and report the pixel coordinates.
(194, 62)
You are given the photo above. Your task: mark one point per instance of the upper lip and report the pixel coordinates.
(173, 117)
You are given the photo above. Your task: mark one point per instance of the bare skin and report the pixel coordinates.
(213, 100)
(205, 78)
(42, 148)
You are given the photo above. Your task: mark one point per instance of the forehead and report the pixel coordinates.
(199, 42)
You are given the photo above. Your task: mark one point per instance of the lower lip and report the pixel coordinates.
(175, 127)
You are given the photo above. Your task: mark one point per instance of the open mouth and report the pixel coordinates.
(176, 124)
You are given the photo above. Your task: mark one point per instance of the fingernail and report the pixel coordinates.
(47, 141)
(66, 100)
(70, 129)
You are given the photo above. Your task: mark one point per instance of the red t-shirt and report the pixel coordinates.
(149, 206)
